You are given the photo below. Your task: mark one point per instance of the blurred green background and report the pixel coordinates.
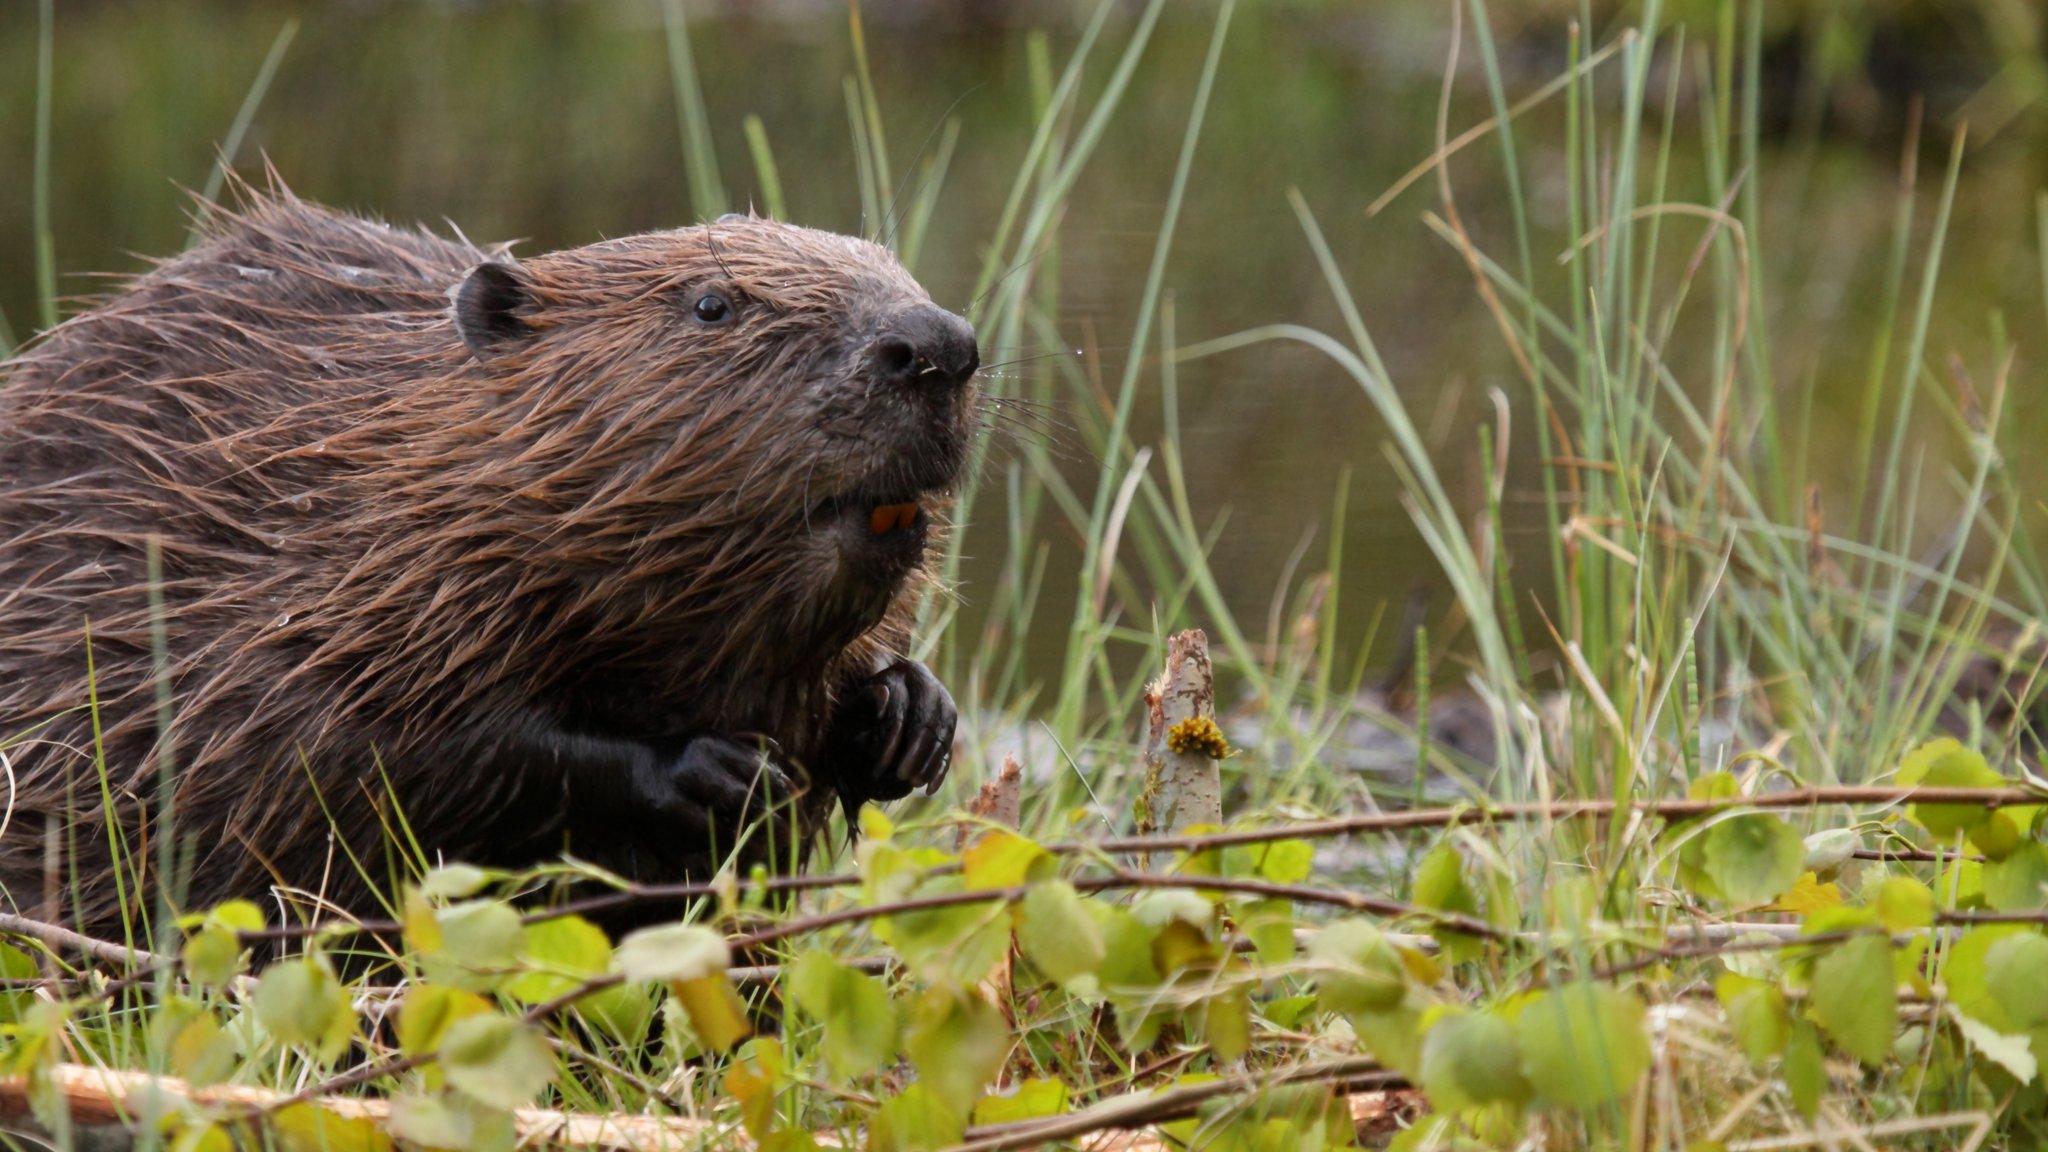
(556, 122)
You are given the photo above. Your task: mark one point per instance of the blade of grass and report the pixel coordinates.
(700, 158)
(46, 242)
(1108, 482)
(764, 168)
(231, 145)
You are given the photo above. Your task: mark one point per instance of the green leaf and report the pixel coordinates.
(212, 952)
(1181, 921)
(957, 1041)
(1855, 998)
(1281, 861)
(1139, 1021)
(479, 945)
(1471, 1060)
(875, 825)
(2016, 978)
(195, 1137)
(2018, 883)
(754, 1080)
(1808, 896)
(2013, 1053)
(1720, 784)
(854, 1008)
(718, 1016)
(201, 1051)
(1288, 1011)
(1356, 969)
(564, 953)
(561, 954)
(1127, 948)
(1756, 1014)
(212, 956)
(433, 1121)
(496, 1060)
(302, 1004)
(1163, 907)
(1393, 1036)
(1753, 858)
(1997, 835)
(1269, 924)
(308, 1127)
(1056, 933)
(1904, 904)
(999, 859)
(454, 882)
(1962, 880)
(1806, 1075)
(425, 1016)
(15, 965)
(1583, 1044)
(960, 944)
(1965, 975)
(673, 952)
(1829, 849)
(623, 1012)
(237, 915)
(1945, 763)
(1226, 1016)
(1027, 1100)
(1440, 885)
(919, 1120)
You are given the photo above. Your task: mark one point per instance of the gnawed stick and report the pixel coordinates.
(114, 1099)
(1183, 785)
(1000, 802)
(105, 1097)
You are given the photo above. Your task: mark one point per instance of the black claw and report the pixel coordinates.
(894, 722)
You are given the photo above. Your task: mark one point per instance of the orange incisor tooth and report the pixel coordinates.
(887, 518)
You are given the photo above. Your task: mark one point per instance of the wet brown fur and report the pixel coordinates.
(370, 545)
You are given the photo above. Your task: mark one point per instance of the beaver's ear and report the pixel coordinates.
(487, 306)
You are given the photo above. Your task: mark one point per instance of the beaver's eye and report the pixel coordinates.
(712, 308)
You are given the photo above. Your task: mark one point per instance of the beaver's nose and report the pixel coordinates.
(926, 347)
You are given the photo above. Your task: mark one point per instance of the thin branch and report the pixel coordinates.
(1144, 1109)
(1671, 809)
(104, 951)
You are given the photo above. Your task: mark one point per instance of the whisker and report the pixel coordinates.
(890, 222)
(1013, 269)
(1020, 431)
(1074, 352)
(1034, 418)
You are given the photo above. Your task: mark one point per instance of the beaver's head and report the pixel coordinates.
(744, 407)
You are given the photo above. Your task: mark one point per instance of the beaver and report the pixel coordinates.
(330, 547)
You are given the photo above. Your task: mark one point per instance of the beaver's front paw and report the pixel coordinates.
(891, 733)
(718, 788)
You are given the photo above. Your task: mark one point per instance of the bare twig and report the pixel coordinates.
(1670, 809)
(1144, 1109)
(64, 939)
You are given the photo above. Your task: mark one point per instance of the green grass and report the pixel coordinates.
(1685, 614)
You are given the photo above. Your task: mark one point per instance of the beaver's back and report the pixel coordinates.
(175, 437)
(286, 307)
